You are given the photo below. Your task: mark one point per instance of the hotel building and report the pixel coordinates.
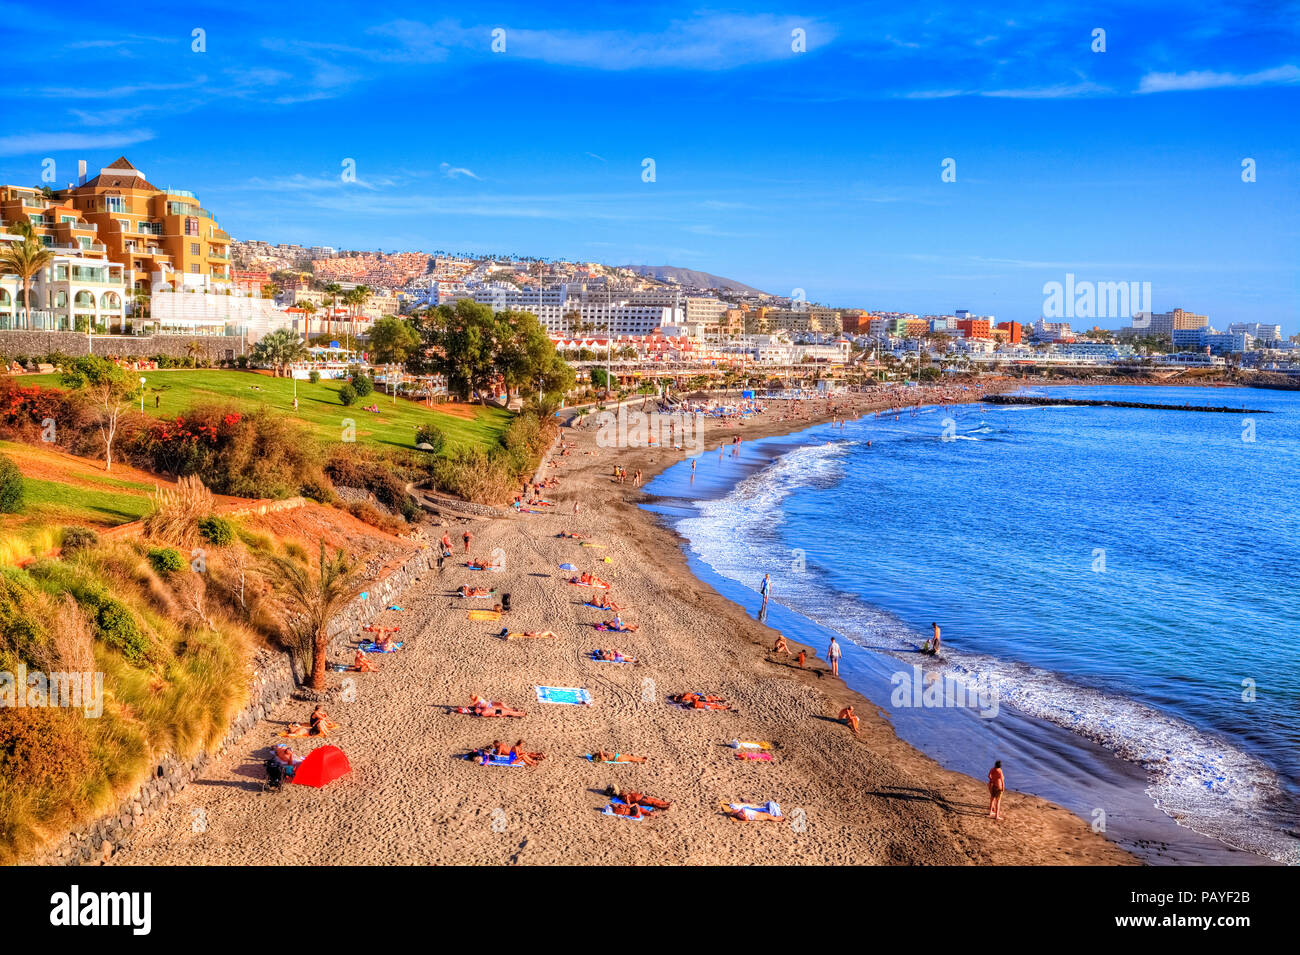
(80, 289)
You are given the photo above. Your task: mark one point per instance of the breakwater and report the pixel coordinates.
(1088, 403)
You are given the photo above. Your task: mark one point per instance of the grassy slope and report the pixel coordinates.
(318, 406)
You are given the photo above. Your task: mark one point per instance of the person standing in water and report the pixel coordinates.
(765, 590)
(934, 646)
(997, 786)
(833, 656)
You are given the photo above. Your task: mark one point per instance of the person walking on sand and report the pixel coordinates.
(765, 590)
(446, 544)
(467, 537)
(997, 786)
(833, 656)
(802, 656)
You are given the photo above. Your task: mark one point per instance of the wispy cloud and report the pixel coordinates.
(457, 172)
(1209, 80)
(24, 144)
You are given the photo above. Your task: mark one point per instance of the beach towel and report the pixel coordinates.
(520, 635)
(630, 661)
(394, 607)
(477, 596)
(491, 760)
(483, 614)
(751, 744)
(590, 544)
(750, 812)
(599, 586)
(569, 695)
(609, 811)
(750, 754)
(369, 646)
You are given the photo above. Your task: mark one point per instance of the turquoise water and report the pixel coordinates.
(1127, 576)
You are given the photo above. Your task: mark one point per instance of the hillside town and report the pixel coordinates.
(133, 261)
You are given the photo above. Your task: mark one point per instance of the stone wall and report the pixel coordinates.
(33, 343)
(273, 681)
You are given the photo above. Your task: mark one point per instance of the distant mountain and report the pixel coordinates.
(670, 273)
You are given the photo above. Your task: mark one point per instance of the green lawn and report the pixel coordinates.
(318, 406)
(49, 502)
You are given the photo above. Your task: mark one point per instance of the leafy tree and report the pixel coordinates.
(392, 341)
(461, 344)
(347, 395)
(108, 389)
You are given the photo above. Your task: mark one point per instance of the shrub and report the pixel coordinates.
(347, 395)
(78, 538)
(367, 513)
(350, 466)
(166, 560)
(475, 474)
(314, 377)
(259, 454)
(117, 627)
(362, 384)
(428, 434)
(217, 531)
(11, 487)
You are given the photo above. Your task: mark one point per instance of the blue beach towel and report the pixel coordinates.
(571, 695)
(371, 647)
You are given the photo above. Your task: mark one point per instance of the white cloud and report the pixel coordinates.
(456, 172)
(1209, 80)
(24, 144)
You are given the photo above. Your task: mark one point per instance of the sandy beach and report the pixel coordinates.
(410, 800)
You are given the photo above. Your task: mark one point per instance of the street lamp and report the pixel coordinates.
(142, 395)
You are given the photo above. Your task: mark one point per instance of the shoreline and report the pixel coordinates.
(408, 800)
(1138, 825)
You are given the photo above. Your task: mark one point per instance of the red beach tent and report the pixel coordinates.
(322, 765)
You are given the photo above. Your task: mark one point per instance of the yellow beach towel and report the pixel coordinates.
(484, 614)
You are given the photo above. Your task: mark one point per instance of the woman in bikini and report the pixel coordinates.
(997, 786)
(603, 757)
(362, 664)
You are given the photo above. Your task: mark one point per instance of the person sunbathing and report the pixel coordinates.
(849, 719)
(321, 724)
(479, 565)
(475, 591)
(481, 707)
(284, 756)
(600, 756)
(618, 626)
(613, 656)
(633, 810)
(531, 635)
(701, 701)
(604, 603)
(361, 663)
(387, 643)
(781, 647)
(574, 537)
(636, 799)
(521, 755)
(297, 730)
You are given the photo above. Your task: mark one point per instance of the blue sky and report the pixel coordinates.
(818, 170)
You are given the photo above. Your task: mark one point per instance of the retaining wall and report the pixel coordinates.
(32, 343)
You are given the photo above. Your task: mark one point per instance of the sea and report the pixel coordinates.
(1118, 592)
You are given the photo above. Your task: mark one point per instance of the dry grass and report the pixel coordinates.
(176, 511)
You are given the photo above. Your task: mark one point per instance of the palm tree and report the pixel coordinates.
(334, 290)
(315, 598)
(280, 348)
(26, 259)
(309, 309)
